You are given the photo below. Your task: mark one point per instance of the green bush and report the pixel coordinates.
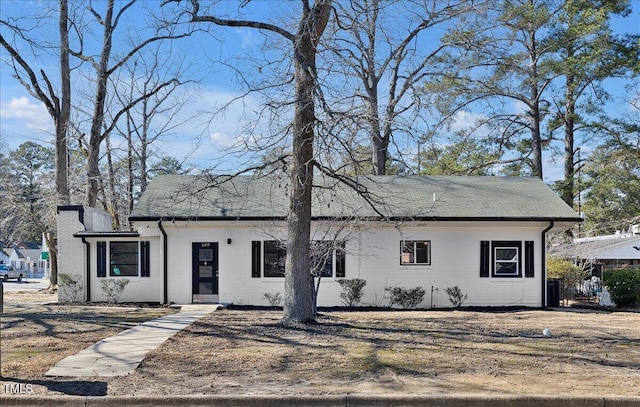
(71, 288)
(406, 297)
(352, 291)
(112, 289)
(456, 298)
(623, 286)
(275, 299)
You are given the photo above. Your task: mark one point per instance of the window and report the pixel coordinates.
(506, 259)
(123, 259)
(327, 258)
(275, 254)
(415, 252)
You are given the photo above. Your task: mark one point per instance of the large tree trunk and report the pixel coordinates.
(144, 142)
(378, 143)
(535, 117)
(96, 136)
(62, 122)
(110, 193)
(569, 124)
(536, 141)
(298, 300)
(53, 261)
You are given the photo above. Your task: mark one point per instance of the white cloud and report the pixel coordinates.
(470, 121)
(23, 112)
(464, 120)
(222, 140)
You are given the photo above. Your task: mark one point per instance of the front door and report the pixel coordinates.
(205, 271)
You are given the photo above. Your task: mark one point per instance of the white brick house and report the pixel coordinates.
(197, 239)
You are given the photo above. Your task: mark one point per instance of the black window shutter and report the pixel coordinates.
(144, 260)
(340, 260)
(485, 258)
(102, 258)
(256, 258)
(528, 258)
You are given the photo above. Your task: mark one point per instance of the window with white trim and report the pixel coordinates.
(415, 252)
(507, 259)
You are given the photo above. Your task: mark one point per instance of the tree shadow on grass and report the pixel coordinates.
(67, 387)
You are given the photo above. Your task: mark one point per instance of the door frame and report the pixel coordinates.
(195, 272)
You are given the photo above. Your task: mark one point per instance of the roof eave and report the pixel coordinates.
(115, 233)
(370, 218)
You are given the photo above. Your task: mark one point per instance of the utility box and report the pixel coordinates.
(553, 292)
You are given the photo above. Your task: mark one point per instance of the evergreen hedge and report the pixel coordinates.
(623, 286)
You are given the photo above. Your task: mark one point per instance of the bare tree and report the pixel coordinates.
(298, 301)
(57, 102)
(384, 46)
(154, 117)
(41, 87)
(103, 68)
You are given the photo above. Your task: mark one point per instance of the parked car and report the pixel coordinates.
(7, 272)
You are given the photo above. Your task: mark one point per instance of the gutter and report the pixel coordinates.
(88, 268)
(365, 218)
(164, 261)
(544, 264)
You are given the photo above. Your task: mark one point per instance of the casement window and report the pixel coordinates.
(506, 259)
(268, 258)
(124, 259)
(415, 252)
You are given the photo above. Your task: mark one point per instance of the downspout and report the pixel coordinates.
(164, 261)
(88, 268)
(544, 264)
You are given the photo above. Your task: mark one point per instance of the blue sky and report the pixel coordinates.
(202, 140)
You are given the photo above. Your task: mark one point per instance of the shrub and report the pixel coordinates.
(352, 291)
(405, 297)
(455, 296)
(623, 286)
(112, 289)
(71, 288)
(275, 299)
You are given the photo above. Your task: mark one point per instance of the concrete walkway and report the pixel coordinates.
(121, 354)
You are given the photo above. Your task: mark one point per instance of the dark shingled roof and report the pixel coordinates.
(394, 196)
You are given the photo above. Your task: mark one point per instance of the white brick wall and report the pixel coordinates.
(455, 261)
(71, 250)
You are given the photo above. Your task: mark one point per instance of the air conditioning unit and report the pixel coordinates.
(635, 229)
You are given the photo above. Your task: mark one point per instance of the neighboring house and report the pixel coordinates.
(4, 256)
(197, 242)
(600, 253)
(27, 256)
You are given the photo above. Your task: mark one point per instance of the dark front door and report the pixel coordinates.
(205, 271)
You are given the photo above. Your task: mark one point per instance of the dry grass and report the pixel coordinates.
(37, 333)
(420, 352)
(249, 352)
